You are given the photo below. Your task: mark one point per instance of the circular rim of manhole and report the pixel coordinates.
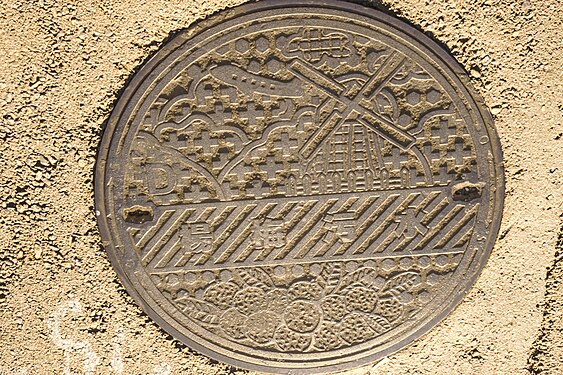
(452, 76)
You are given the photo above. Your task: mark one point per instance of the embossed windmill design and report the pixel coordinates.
(332, 166)
(238, 238)
(357, 105)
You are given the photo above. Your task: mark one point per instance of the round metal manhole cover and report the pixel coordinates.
(299, 186)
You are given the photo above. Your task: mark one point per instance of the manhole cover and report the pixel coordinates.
(299, 186)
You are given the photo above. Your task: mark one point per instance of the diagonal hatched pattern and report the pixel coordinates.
(376, 220)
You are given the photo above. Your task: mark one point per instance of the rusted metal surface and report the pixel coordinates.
(299, 186)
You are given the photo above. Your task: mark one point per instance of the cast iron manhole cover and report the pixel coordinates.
(299, 186)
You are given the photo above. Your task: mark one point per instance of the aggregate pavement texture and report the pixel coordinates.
(62, 307)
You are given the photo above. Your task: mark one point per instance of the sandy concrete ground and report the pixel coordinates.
(62, 308)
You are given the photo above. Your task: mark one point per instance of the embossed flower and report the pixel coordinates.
(305, 290)
(302, 316)
(327, 336)
(221, 294)
(354, 328)
(250, 300)
(334, 307)
(262, 325)
(361, 299)
(233, 323)
(389, 307)
(277, 300)
(291, 341)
